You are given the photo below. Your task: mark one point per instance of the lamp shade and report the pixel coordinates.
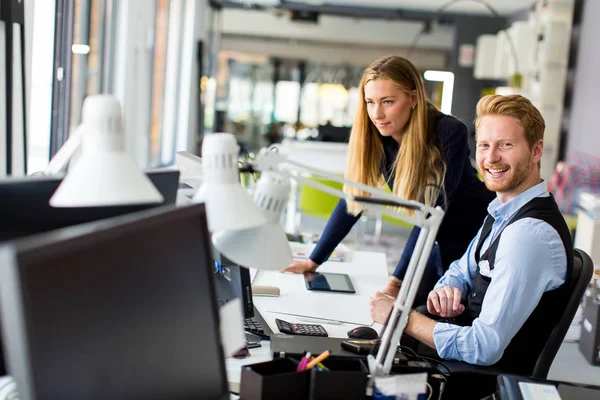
(266, 246)
(228, 205)
(105, 174)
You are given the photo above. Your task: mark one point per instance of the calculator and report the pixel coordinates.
(300, 329)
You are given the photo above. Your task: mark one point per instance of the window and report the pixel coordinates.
(287, 95)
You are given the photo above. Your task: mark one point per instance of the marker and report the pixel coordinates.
(320, 365)
(303, 362)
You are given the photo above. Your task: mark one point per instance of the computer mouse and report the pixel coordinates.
(363, 332)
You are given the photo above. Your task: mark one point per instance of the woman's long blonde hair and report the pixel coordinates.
(419, 167)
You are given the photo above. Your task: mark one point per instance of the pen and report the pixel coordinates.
(317, 360)
(320, 321)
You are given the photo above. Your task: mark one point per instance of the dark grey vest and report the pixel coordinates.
(523, 351)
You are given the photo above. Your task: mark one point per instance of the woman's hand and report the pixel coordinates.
(300, 267)
(393, 287)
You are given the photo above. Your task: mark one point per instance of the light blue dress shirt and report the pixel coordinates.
(530, 260)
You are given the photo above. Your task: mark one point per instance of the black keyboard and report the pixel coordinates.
(255, 325)
(258, 326)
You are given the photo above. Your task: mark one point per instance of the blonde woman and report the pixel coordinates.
(401, 140)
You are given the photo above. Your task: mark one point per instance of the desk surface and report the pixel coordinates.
(569, 364)
(368, 271)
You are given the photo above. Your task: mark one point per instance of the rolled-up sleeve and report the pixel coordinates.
(459, 274)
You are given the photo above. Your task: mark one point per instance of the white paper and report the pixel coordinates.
(538, 391)
(232, 327)
(409, 386)
(253, 273)
(295, 299)
(346, 308)
(8, 388)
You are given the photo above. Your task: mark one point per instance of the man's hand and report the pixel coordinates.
(381, 306)
(445, 302)
(300, 267)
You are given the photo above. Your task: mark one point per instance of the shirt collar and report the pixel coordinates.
(508, 209)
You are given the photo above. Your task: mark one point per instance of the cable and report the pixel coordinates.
(449, 3)
(442, 377)
(430, 361)
(430, 390)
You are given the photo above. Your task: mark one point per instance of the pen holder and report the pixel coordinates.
(345, 379)
(275, 379)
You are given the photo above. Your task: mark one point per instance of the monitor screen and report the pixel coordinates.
(330, 133)
(123, 308)
(25, 205)
(233, 281)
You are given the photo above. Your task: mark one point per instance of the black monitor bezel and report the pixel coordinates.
(86, 235)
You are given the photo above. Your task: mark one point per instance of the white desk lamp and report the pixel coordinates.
(264, 247)
(426, 217)
(228, 206)
(105, 174)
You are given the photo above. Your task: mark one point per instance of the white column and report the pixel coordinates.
(196, 14)
(134, 44)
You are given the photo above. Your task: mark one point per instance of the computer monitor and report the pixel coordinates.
(233, 281)
(331, 133)
(25, 205)
(123, 308)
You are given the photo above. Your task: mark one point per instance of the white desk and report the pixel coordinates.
(368, 271)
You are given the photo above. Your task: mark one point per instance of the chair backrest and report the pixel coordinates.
(315, 202)
(583, 268)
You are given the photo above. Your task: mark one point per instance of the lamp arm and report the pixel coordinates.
(272, 160)
(375, 203)
(64, 154)
(381, 365)
(427, 218)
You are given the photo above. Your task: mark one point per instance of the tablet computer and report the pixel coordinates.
(328, 282)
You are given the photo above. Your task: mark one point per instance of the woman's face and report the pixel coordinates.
(388, 107)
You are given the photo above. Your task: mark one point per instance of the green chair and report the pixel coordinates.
(316, 203)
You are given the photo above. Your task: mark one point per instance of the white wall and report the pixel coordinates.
(584, 131)
(194, 32)
(40, 40)
(133, 72)
(29, 7)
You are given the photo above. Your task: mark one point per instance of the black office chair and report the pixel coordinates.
(583, 269)
(463, 375)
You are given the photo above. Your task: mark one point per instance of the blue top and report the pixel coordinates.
(465, 201)
(530, 260)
